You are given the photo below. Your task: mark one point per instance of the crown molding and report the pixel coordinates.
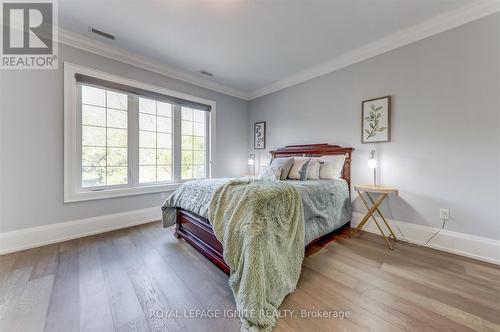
(404, 37)
(90, 45)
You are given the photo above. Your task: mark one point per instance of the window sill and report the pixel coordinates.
(119, 192)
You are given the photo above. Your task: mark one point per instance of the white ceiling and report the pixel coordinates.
(247, 44)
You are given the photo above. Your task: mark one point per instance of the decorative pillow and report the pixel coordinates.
(313, 169)
(285, 164)
(305, 169)
(331, 166)
(298, 165)
(270, 173)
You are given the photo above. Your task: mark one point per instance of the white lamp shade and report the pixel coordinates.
(372, 163)
(251, 162)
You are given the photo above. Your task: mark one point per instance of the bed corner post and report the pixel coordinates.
(176, 232)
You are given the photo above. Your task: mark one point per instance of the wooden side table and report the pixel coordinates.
(383, 192)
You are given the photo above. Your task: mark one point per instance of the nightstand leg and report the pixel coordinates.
(382, 216)
(363, 221)
(383, 234)
(370, 212)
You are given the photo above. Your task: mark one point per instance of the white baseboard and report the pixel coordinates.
(472, 246)
(476, 247)
(42, 235)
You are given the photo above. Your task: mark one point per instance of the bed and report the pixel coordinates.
(196, 229)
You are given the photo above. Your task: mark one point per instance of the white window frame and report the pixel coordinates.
(73, 191)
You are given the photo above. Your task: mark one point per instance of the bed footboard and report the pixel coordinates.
(198, 232)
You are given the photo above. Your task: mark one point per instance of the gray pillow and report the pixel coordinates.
(305, 169)
(285, 164)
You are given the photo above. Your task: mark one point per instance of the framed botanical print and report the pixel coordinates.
(259, 135)
(376, 120)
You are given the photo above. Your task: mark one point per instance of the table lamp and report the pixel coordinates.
(251, 162)
(372, 163)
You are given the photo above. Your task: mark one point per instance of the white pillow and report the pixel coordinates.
(297, 168)
(269, 173)
(313, 170)
(285, 164)
(331, 166)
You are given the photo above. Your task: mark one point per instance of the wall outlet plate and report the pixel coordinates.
(444, 214)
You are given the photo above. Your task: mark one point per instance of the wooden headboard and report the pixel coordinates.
(318, 150)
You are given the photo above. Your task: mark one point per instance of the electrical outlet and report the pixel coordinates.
(444, 214)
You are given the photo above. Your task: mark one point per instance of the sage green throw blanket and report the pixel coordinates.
(261, 227)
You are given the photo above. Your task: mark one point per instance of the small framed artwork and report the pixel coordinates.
(376, 120)
(259, 135)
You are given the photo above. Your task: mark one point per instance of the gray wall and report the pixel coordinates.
(445, 148)
(31, 142)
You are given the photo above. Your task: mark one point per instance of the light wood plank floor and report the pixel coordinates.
(125, 280)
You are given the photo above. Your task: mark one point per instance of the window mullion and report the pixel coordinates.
(208, 135)
(133, 140)
(177, 138)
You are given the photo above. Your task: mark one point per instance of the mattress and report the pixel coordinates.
(327, 204)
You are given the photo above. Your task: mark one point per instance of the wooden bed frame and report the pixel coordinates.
(198, 232)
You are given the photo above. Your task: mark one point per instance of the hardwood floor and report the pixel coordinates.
(134, 280)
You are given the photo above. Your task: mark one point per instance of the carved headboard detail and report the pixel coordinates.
(318, 150)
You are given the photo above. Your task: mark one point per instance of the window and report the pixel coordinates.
(193, 143)
(104, 137)
(124, 137)
(155, 141)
